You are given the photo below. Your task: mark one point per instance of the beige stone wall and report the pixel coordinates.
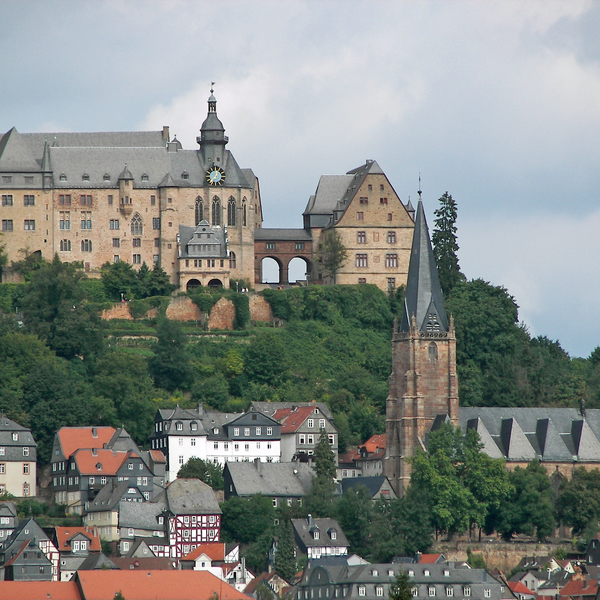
(222, 315)
(375, 220)
(119, 310)
(181, 308)
(260, 309)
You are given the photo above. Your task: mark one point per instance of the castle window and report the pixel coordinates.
(137, 242)
(62, 177)
(362, 280)
(391, 284)
(65, 245)
(29, 225)
(137, 259)
(6, 178)
(29, 200)
(156, 223)
(86, 245)
(391, 237)
(106, 177)
(136, 225)
(110, 199)
(7, 225)
(216, 211)
(232, 260)
(299, 245)
(382, 200)
(114, 223)
(152, 199)
(116, 258)
(199, 210)
(85, 177)
(390, 216)
(432, 323)
(231, 212)
(364, 200)
(65, 220)
(362, 260)
(244, 213)
(270, 245)
(391, 260)
(145, 177)
(381, 187)
(433, 352)
(83, 200)
(361, 237)
(86, 220)
(7, 200)
(360, 216)
(116, 243)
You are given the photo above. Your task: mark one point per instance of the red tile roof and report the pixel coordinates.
(73, 438)
(158, 456)
(111, 461)
(64, 534)
(579, 587)
(291, 420)
(149, 563)
(518, 587)
(149, 585)
(39, 590)
(429, 559)
(214, 550)
(375, 443)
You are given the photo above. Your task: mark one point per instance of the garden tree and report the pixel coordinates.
(528, 509)
(207, 471)
(285, 561)
(157, 282)
(325, 464)
(354, 514)
(332, 254)
(123, 379)
(170, 366)
(320, 499)
(400, 589)
(463, 483)
(264, 592)
(245, 520)
(54, 308)
(445, 247)
(578, 502)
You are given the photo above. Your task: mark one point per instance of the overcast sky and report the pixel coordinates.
(496, 102)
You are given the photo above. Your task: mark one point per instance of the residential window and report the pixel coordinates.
(3, 452)
(29, 200)
(216, 445)
(321, 423)
(301, 439)
(466, 591)
(7, 200)
(137, 242)
(116, 242)
(137, 259)
(103, 480)
(65, 245)
(415, 591)
(156, 223)
(2, 468)
(379, 591)
(364, 200)
(275, 502)
(15, 436)
(7, 225)
(391, 260)
(26, 451)
(487, 593)
(271, 245)
(310, 439)
(246, 446)
(92, 480)
(114, 223)
(362, 260)
(86, 220)
(361, 237)
(431, 590)
(310, 423)
(362, 590)
(391, 237)
(236, 431)
(130, 466)
(269, 431)
(6, 178)
(179, 426)
(382, 200)
(360, 216)
(331, 438)
(181, 460)
(449, 592)
(29, 225)
(65, 220)
(246, 430)
(86, 245)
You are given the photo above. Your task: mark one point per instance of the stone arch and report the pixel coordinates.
(192, 284)
(232, 260)
(270, 268)
(293, 269)
(216, 211)
(215, 283)
(199, 210)
(231, 212)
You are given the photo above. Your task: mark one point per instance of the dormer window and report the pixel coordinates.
(375, 572)
(145, 177)
(85, 177)
(426, 573)
(411, 573)
(316, 411)
(179, 426)
(185, 175)
(194, 426)
(63, 177)
(15, 436)
(216, 430)
(315, 534)
(106, 177)
(333, 534)
(99, 466)
(446, 573)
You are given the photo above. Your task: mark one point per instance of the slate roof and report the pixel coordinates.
(304, 527)
(108, 497)
(270, 408)
(548, 434)
(191, 497)
(423, 297)
(276, 479)
(263, 234)
(97, 560)
(330, 190)
(373, 484)
(151, 563)
(141, 515)
(189, 237)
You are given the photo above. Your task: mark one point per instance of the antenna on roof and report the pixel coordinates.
(419, 192)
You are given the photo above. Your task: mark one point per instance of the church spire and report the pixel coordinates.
(212, 138)
(423, 300)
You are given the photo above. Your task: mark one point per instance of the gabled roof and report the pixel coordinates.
(292, 419)
(375, 443)
(214, 550)
(97, 560)
(372, 484)
(141, 515)
(74, 438)
(15, 155)
(149, 585)
(277, 479)
(101, 462)
(518, 587)
(423, 297)
(270, 408)
(304, 528)
(431, 559)
(190, 496)
(64, 535)
(151, 563)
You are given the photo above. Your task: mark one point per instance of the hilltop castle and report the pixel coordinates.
(140, 197)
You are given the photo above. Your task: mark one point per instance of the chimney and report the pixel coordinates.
(94, 451)
(309, 519)
(165, 133)
(243, 570)
(418, 557)
(258, 465)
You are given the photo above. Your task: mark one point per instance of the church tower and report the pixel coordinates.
(423, 388)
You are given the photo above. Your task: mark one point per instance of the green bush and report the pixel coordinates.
(242, 310)
(7, 296)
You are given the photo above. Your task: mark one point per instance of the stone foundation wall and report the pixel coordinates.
(181, 308)
(222, 315)
(260, 309)
(118, 311)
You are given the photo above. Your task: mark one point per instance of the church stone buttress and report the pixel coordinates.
(423, 388)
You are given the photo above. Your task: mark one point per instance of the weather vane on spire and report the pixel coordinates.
(419, 192)
(212, 83)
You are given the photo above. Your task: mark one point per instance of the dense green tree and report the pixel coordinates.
(401, 588)
(325, 463)
(578, 502)
(529, 508)
(264, 359)
(320, 500)
(245, 520)
(120, 281)
(354, 514)
(209, 472)
(170, 366)
(445, 246)
(285, 561)
(332, 254)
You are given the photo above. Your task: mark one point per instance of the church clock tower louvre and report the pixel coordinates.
(423, 389)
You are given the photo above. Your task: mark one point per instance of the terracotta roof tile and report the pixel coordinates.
(375, 442)
(74, 438)
(110, 461)
(39, 590)
(518, 587)
(214, 550)
(64, 534)
(429, 559)
(149, 585)
(158, 456)
(291, 420)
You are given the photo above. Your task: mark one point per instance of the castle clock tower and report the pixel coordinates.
(423, 390)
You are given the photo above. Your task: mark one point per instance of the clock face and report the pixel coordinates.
(215, 176)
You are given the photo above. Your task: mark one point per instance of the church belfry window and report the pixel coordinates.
(432, 322)
(433, 352)
(199, 210)
(137, 227)
(216, 211)
(231, 212)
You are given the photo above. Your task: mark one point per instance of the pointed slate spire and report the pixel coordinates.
(423, 299)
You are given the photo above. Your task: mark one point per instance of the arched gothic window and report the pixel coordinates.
(244, 213)
(86, 245)
(199, 210)
(136, 225)
(433, 352)
(231, 212)
(216, 211)
(232, 260)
